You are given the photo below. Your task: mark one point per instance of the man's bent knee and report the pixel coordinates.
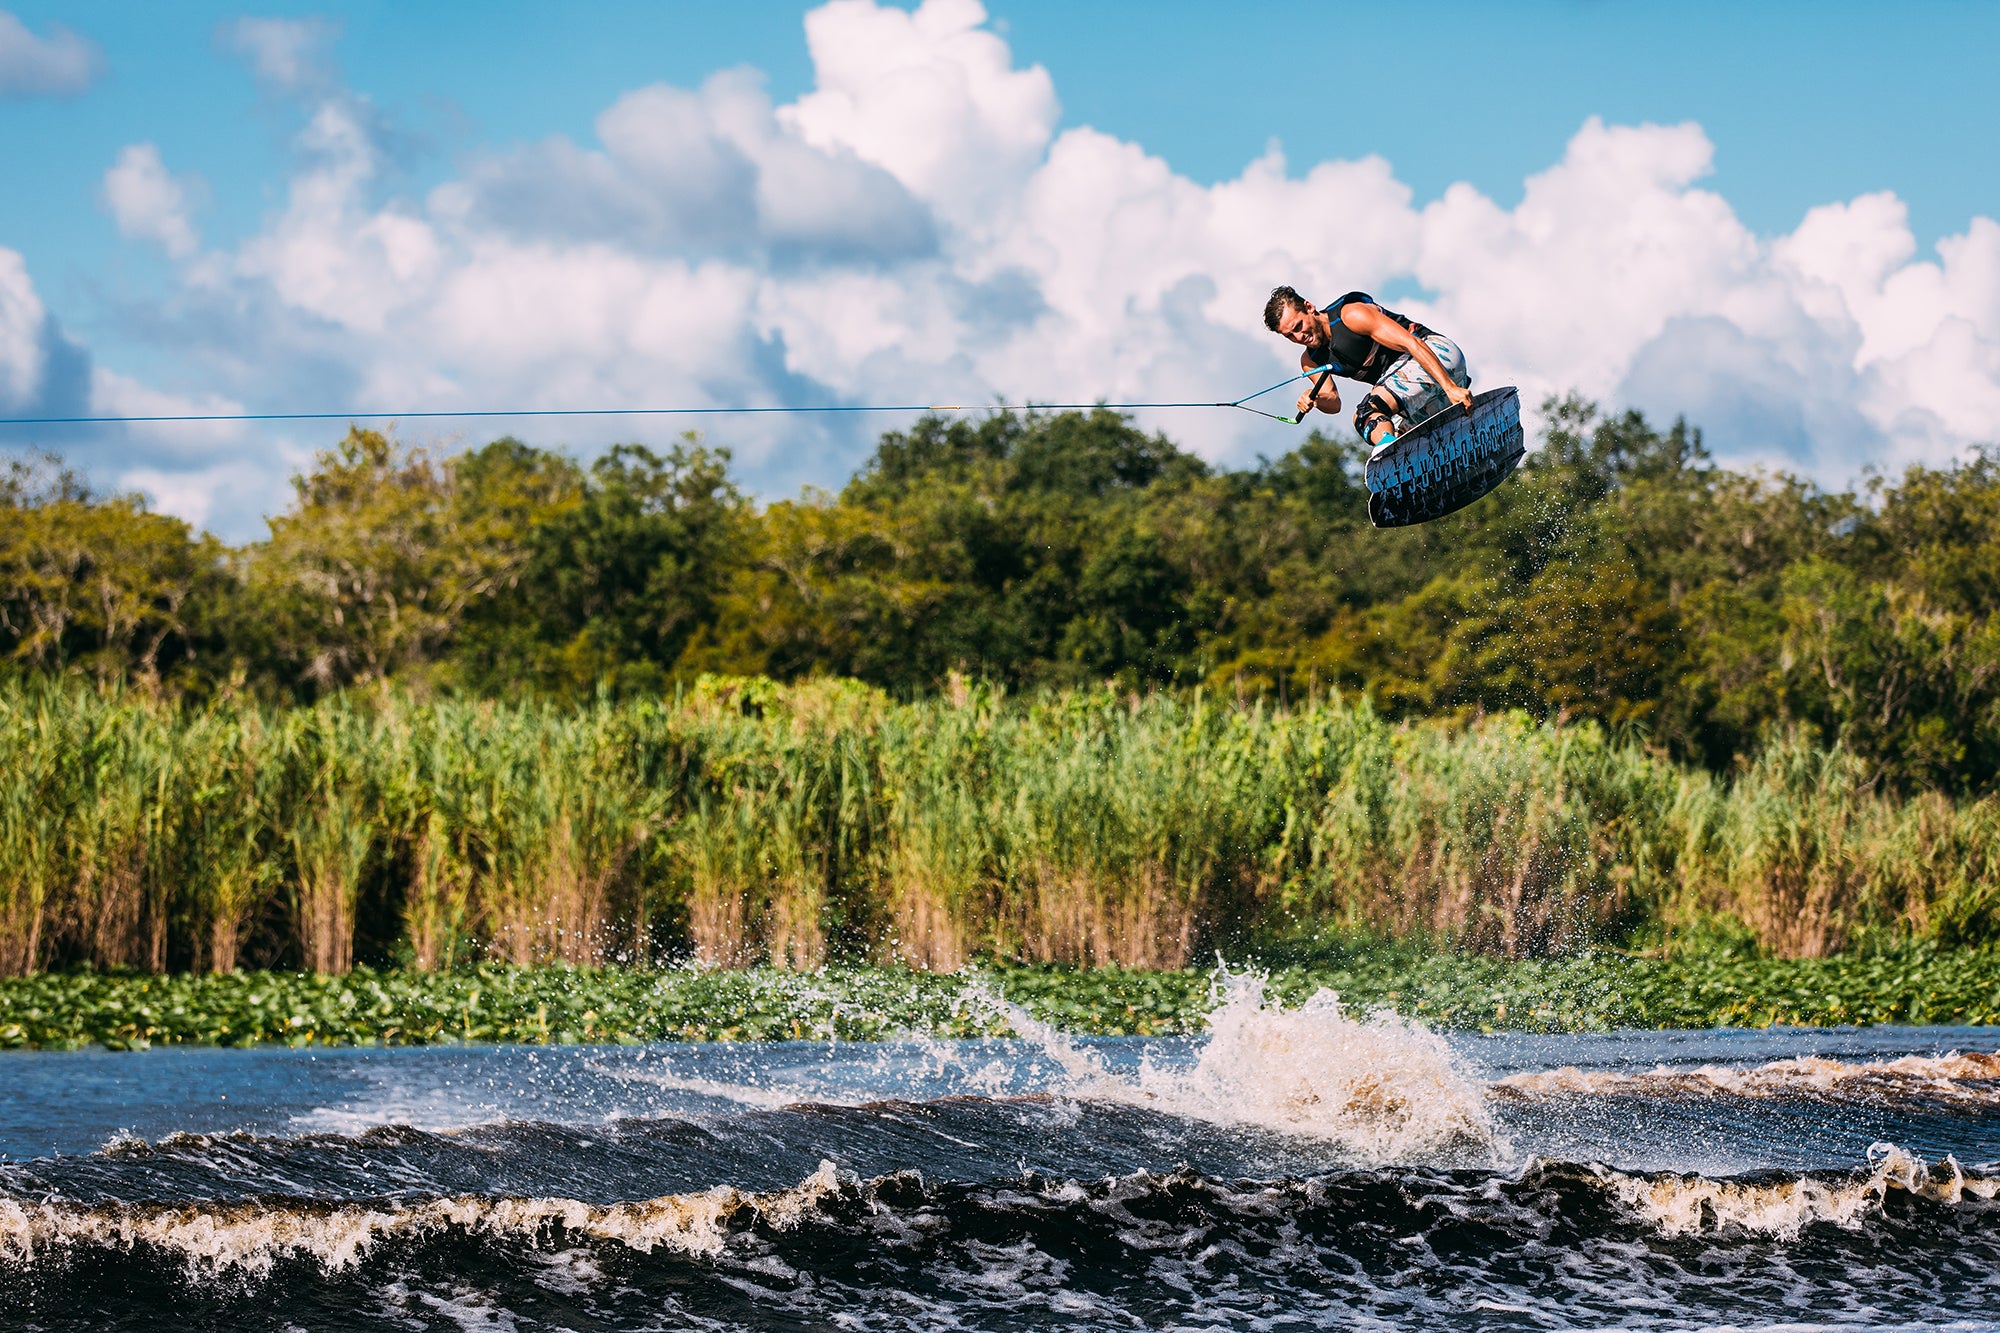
(1373, 419)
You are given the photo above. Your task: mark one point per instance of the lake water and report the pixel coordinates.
(1291, 1170)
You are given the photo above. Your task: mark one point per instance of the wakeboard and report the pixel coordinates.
(1446, 461)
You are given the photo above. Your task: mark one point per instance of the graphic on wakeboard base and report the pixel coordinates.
(1447, 461)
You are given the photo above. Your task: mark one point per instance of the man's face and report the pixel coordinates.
(1300, 325)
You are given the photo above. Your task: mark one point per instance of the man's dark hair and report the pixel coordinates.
(1281, 299)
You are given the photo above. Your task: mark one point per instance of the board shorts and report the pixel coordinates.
(1418, 395)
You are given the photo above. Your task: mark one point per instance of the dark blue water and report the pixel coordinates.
(1293, 1170)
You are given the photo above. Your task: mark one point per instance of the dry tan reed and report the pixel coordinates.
(743, 822)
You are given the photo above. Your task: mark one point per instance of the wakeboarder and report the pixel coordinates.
(1412, 372)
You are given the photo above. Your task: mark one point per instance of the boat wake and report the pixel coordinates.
(896, 1251)
(1304, 1167)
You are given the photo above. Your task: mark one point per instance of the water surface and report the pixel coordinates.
(1291, 1170)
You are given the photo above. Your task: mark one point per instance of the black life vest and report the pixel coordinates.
(1356, 356)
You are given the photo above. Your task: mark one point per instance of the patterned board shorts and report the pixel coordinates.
(1413, 387)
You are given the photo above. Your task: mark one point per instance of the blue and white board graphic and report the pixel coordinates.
(1446, 461)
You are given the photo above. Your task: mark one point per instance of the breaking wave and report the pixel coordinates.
(1382, 1247)
(1971, 1079)
(1293, 1168)
(249, 1237)
(1682, 1205)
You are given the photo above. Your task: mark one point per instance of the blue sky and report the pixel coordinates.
(456, 106)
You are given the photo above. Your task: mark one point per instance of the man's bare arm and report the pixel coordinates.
(1321, 392)
(1369, 320)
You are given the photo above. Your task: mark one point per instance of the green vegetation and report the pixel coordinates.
(1028, 690)
(557, 1004)
(746, 822)
(489, 1002)
(1621, 577)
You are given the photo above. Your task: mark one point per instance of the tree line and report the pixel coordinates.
(1622, 577)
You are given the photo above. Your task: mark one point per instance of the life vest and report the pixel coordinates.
(1356, 356)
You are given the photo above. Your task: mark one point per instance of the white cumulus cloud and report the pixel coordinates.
(915, 228)
(147, 202)
(43, 373)
(22, 321)
(58, 65)
(696, 173)
(191, 469)
(930, 96)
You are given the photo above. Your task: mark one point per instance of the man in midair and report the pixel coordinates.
(1412, 372)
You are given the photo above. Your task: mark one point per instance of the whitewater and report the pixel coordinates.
(1289, 1169)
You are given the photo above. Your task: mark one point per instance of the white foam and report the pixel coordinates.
(1688, 1205)
(470, 1310)
(1972, 1077)
(252, 1236)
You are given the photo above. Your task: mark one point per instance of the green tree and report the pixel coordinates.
(97, 584)
(623, 564)
(372, 570)
(1026, 549)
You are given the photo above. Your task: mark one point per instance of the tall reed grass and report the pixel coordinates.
(742, 822)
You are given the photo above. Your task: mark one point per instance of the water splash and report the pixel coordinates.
(1683, 1205)
(1381, 1088)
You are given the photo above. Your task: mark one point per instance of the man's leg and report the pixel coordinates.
(1375, 418)
(1416, 394)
